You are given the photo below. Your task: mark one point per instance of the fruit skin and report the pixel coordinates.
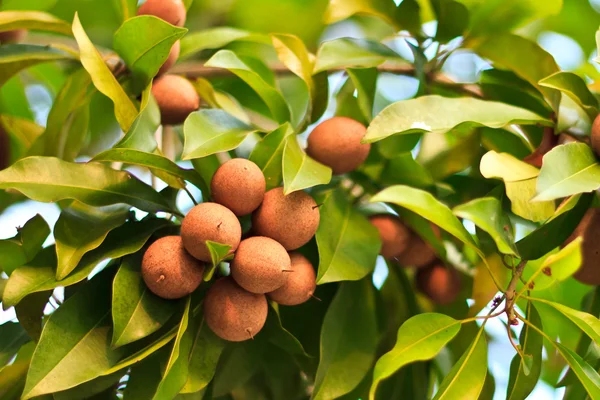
(209, 221)
(176, 98)
(336, 143)
(239, 185)
(440, 284)
(169, 271)
(171, 11)
(260, 265)
(171, 59)
(232, 313)
(418, 253)
(395, 237)
(589, 272)
(12, 36)
(300, 285)
(291, 220)
(595, 135)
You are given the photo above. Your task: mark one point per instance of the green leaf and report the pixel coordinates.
(452, 17)
(427, 206)
(27, 4)
(144, 44)
(40, 274)
(575, 87)
(16, 57)
(348, 340)
(466, 378)
(33, 20)
(521, 383)
(206, 168)
(204, 356)
(159, 165)
(299, 170)
(586, 374)
(136, 312)
(365, 82)
(338, 10)
(268, 154)
(25, 245)
(30, 312)
(556, 267)
(12, 337)
(348, 243)
(405, 170)
(487, 214)
(281, 337)
(349, 52)
(218, 99)
(421, 337)
(520, 180)
(218, 253)
(588, 323)
(103, 78)
(442, 114)
(215, 38)
(12, 377)
(125, 8)
(75, 343)
(98, 388)
(245, 69)
(522, 56)
(489, 275)
(568, 169)
(141, 135)
(22, 133)
(49, 179)
(82, 228)
(212, 131)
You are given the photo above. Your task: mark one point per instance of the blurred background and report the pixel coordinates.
(568, 36)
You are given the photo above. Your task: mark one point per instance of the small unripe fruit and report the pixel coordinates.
(336, 143)
(291, 220)
(169, 271)
(238, 185)
(176, 98)
(588, 228)
(395, 237)
(300, 285)
(440, 284)
(232, 313)
(171, 59)
(595, 136)
(260, 265)
(12, 36)
(209, 221)
(171, 11)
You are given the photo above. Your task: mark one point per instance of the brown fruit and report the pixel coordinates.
(232, 313)
(171, 59)
(169, 271)
(176, 98)
(12, 36)
(418, 252)
(209, 221)
(549, 141)
(260, 265)
(440, 284)
(589, 272)
(292, 220)
(336, 143)
(238, 185)
(171, 11)
(595, 136)
(395, 237)
(300, 285)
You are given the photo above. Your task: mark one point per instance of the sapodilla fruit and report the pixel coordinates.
(171, 11)
(418, 252)
(12, 36)
(239, 185)
(260, 265)
(595, 136)
(336, 143)
(171, 59)
(291, 220)
(395, 237)
(176, 98)
(169, 271)
(440, 284)
(300, 284)
(209, 221)
(233, 313)
(589, 272)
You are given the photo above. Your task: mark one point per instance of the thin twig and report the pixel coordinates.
(191, 196)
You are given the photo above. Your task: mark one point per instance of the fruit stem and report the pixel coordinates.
(160, 278)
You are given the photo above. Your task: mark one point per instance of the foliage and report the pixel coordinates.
(502, 164)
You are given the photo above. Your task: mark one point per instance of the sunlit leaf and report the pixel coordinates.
(16, 57)
(300, 171)
(349, 52)
(268, 155)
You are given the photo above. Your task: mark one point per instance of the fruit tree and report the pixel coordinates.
(299, 199)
